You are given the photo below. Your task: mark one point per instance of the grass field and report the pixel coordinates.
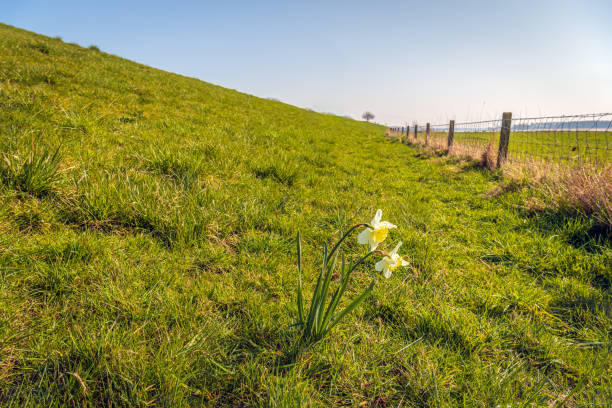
(157, 266)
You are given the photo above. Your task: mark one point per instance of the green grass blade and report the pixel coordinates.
(300, 300)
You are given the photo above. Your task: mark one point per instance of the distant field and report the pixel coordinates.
(573, 146)
(157, 267)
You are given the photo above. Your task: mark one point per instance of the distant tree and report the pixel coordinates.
(368, 116)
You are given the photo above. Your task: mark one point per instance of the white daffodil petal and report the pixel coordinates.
(364, 237)
(387, 273)
(379, 265)
(373, 245)
(377, 218)
(405, 262)
(397, 247)
(387, 224)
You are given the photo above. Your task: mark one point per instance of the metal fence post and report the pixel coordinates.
(451, 134)
(427, 133)
(504, 138)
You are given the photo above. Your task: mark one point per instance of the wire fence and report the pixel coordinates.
(553, 140)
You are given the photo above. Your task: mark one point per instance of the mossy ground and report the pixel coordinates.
(158, 267)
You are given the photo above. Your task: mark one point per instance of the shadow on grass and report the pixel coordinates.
(539, 356)
(580, 310)
(430, 153)
(541, 266)
(581, 232)
(56, 380)
(282, 174)
(92, 213)
(433, 329)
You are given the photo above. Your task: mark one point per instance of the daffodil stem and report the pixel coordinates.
(361, 260)
(346, 234)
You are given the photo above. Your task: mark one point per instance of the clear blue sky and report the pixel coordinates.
(404, 61)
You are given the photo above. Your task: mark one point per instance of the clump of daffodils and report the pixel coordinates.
(322, 316)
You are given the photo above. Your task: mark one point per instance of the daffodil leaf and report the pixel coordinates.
(324, 292)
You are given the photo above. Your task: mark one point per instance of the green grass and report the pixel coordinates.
(158, 268)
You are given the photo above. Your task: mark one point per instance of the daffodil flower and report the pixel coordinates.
(376, 234)
(391, 262)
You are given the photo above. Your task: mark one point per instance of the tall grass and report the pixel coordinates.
(589, 191)
(584, 190)
(34, 171)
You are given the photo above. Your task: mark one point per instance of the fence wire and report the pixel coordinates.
(560, 139)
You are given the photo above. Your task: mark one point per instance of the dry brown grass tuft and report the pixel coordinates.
(587, 191)
(488, 157)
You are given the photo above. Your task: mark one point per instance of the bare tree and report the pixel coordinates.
(368, 116)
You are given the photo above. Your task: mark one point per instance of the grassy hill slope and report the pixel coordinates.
(157, 268)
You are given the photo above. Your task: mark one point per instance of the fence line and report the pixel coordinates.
(584, 138)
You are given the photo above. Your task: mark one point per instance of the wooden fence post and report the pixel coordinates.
(416, 131)
(504, 138)
(427, 133)
(407, 133)
(451, 134)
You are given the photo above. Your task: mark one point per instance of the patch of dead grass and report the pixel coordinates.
(488, 157)
(583, 189)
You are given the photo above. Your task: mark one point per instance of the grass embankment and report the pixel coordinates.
(158, 266)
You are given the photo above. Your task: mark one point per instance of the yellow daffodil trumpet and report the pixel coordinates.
(376, 232)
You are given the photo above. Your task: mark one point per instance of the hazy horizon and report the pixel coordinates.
(405, 62)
